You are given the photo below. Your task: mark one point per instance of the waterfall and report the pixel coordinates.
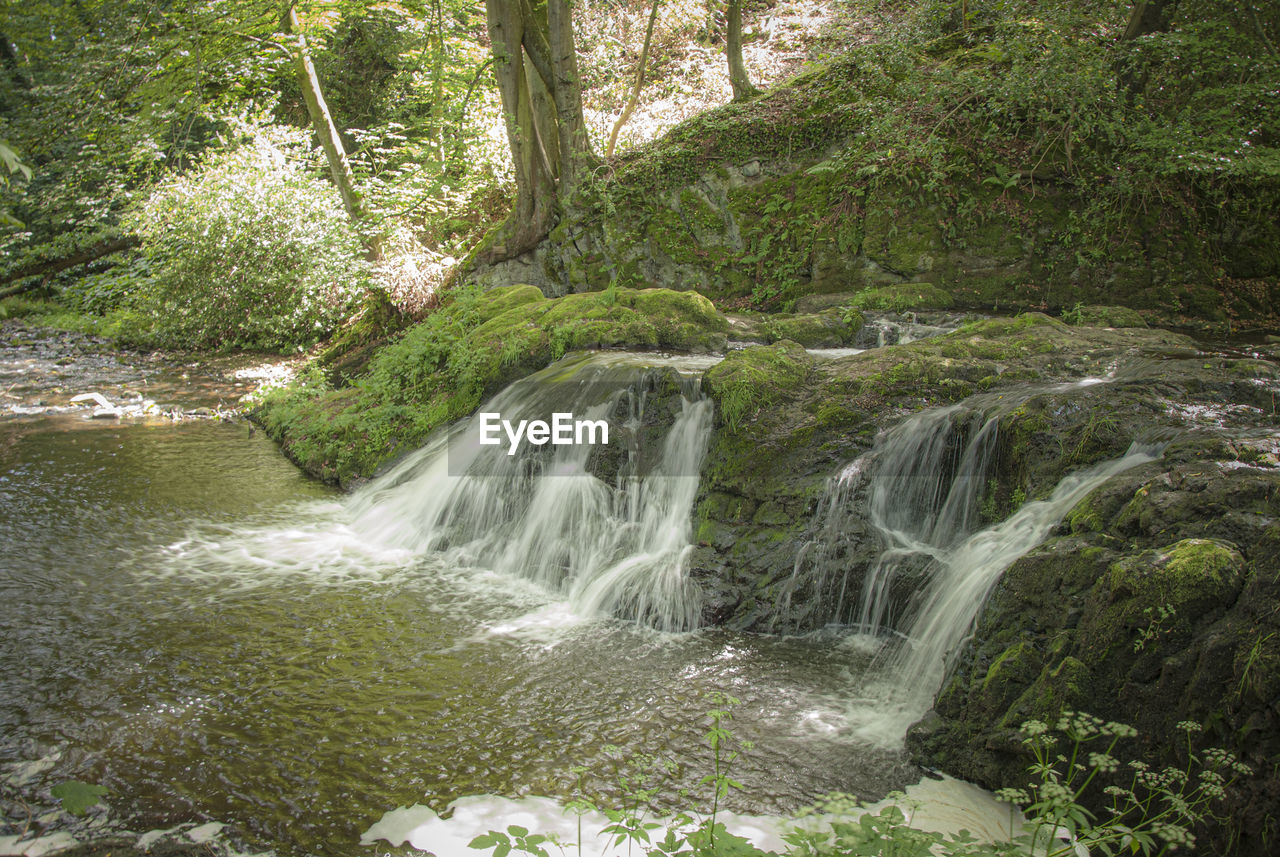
(924, 497)
(915, 497)
(612, 549)
(965, 575)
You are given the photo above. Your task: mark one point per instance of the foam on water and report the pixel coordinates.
(539, 516)
(942, 805)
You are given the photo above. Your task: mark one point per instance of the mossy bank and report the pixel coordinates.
(866, 172)
(470, 348)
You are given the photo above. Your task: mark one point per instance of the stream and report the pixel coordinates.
(297, 699)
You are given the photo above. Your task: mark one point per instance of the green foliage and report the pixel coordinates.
(1149, 812)
(1023, 137)
(1161, 618)
(902, 297)
(77, 797)
(473, 345)
(13, 164)
(246, 251)
(754, 379)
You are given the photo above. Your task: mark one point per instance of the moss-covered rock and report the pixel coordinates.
(902, 297)
(833, 327)
(767, 202)
(471, 347)
(1104, 316)
(1147, 617)
(793, 422)
(754, 379)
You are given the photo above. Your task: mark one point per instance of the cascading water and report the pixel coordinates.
(966, 573)
(541, 514)
(921, 484)
(921, 487)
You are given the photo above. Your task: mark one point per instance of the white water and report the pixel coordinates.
(944, 805)
(920, 598)
(966, 574)
(539, 517)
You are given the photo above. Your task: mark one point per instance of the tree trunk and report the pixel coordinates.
(537, 71)
(9, 56)
(531, 217)
(575, 146)
(334, 152)
(738, 78)
(52, 266)
(1147, 16)
(630, 106)
(437, 86)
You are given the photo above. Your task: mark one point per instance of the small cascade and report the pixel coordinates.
(613, 549)
(965, 575)
(879, 331)
(908, 512)
(895, 510)
(924, 498)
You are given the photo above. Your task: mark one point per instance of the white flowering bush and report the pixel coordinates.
(247, 250)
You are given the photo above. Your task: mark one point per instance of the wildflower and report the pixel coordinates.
(1175, 835)
(1055, 792)
(1014, 796)
(1032, 728)
(1104, 762)
(1119, 730)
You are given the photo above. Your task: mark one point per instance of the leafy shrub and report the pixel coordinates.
(246, 251)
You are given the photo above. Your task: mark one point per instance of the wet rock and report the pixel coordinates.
(1172, 582)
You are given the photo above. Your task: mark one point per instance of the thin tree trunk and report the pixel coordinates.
(634, 98)
(9, 56)
(738, 77)
(437, 85)
(322, 121)
(1147, 16)
(459, 142)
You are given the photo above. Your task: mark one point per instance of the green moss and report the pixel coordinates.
(703, 218)
(1009, 664)
(902, 297)
(1104, 316)
(1058, 687)
(349, 352)
(500, 300)
(830, 328)
(1085, 517)
(442, 369)
(1188, 572)
(756, 378)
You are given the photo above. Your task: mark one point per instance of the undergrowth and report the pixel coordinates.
(1145, 812)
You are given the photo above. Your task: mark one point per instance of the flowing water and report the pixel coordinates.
(192, 624)
(922, 486)
(189, 622)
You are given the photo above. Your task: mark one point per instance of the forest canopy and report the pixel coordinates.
(150, 146)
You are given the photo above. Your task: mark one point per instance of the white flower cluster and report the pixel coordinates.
(1014, 796)
(1220, 759)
